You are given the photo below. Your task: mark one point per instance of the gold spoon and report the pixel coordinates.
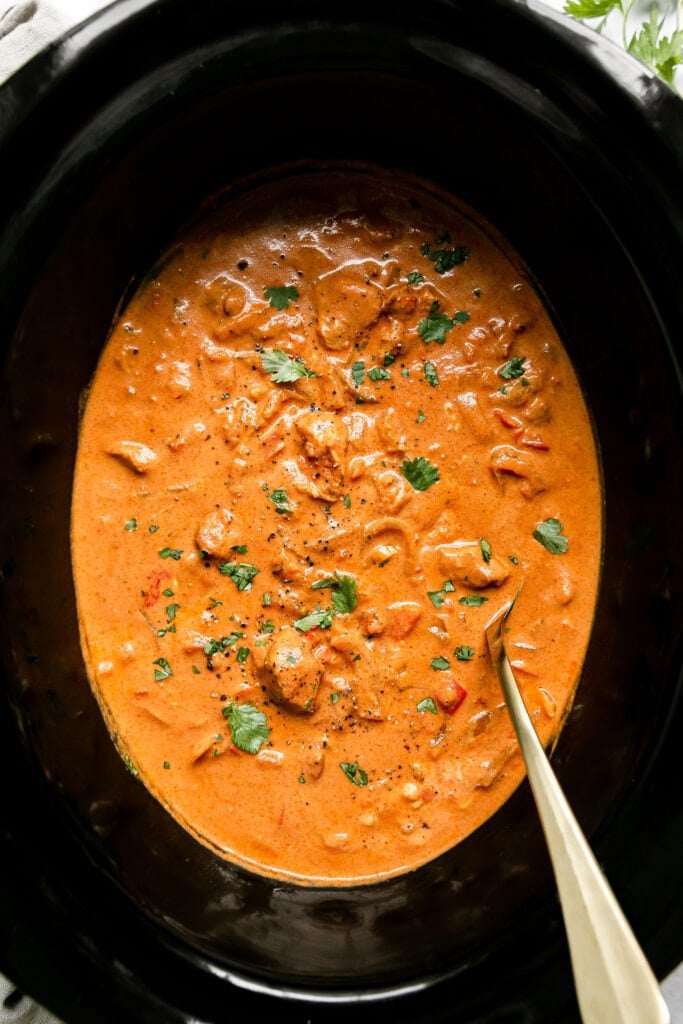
(613, 980)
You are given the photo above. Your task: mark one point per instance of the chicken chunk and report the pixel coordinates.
(507, 461)
(325, 440)
(290, 671)
(217, 534)
(346, 305)
(463, 561)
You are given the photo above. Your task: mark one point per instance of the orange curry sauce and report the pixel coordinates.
(329, 436)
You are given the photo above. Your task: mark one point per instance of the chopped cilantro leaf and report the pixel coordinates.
(420, 418)
(435, 326)
(316, 620)
(164, 670)
(379, 373)
(473, 600)
(513, 369)
(212, 647)
(420, 473)
(445, 259)
(354, 773)
(440, 664)
(437, 596)
(431, 376)
(461, 316)
(241, 573)
(131, 525)
(415, 277)
(344, 597)
(242, 654)
(485, 549)
(171, 553)
(549, 534)
(284, 369)
(248, 726)
(280, 298)
(464, 653)
(280, 499)
(427, 704)
(241, 549)
(358, 371)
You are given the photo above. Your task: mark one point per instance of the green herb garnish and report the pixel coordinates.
(284, 369)
(431, 376)
(174, 553)
(437, 596)
(358, 371)
(420, 473)
(280, 499)
(513, 369)
(415, 277)
(549, 534)
(280, 298)
(315, 620)
(435, 326)
(445, 259)
(344, 598)
(241, 573)
(354, 773)
(164, 670)
(662, 54)
(248, 726)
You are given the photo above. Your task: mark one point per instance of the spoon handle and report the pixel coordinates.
(613, 980)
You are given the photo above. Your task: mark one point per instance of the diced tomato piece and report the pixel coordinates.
(450, 695)
(153, 589)
(533, 440)
(511, 422)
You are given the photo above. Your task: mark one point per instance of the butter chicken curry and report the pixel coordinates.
(331, 433)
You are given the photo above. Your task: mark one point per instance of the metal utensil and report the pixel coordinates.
(613, 980)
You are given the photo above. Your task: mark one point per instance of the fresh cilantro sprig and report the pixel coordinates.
(320, 619)
(435, 326)
(549, 534)
(280, 500)
(280, 297)
(241, 573)
(447, 258)
(354, 773)
(420, 473)
(248, 726)
(513, 369)
(662, 53)
(344, 597)
(437, 597)
(284, 369)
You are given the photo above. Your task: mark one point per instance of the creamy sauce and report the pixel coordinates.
(329, 436)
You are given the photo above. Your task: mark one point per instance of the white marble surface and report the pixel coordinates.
(26, 26)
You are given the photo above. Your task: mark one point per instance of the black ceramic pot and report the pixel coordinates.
(108, 142)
